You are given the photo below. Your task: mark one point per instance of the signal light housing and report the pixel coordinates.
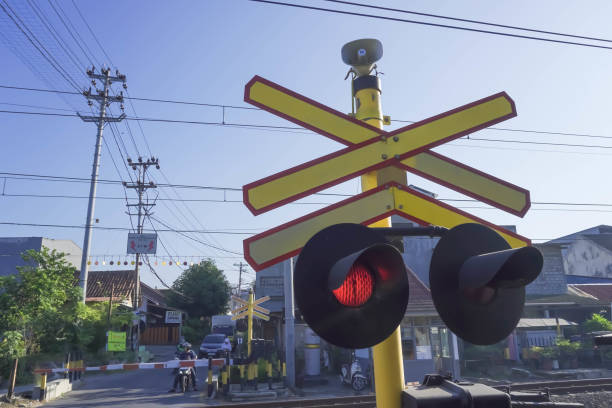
(351, 285)
(478, 282)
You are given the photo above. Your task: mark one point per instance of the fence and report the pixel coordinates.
(160, 335)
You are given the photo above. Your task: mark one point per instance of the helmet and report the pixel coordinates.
(187, 345)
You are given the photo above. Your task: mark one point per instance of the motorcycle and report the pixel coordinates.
(184, 374)
(354, 374)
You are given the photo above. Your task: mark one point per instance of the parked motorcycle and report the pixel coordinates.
(355, 374)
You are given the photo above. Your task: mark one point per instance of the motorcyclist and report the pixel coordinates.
(186, 354)
(226, 346)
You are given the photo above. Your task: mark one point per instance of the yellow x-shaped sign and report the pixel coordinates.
(371, 148)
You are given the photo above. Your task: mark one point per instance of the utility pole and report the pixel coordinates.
(240, 266)
(141, 186)
(104, 100)
(289, 321)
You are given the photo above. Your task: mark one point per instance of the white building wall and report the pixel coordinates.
(585, 258)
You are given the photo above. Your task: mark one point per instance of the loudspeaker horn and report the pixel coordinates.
(362, 54)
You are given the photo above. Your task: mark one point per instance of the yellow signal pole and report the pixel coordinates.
(250, 323)
(388, 359)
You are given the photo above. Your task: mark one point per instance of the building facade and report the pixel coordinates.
(12, 248)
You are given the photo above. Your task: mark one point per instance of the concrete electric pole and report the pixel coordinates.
(104, 100)
(141, 186)
(240, 266)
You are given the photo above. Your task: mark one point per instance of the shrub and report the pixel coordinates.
(597, 323)
(567, 349)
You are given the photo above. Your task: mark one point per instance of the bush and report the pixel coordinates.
(551, 353)
(567, 349)
(597, 323)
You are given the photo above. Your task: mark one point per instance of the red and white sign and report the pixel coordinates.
(142, 243)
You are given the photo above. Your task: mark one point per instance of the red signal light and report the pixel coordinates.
(357, 287)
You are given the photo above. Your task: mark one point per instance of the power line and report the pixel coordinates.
(467, 20)
(40, 177)
(267, 127)
(195, 239)
(30, 224)
(402, 20)
(92, 32)
(65, 196)
(543, 132)
(91, 57)
(31, 37)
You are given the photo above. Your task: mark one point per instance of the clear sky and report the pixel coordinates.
(206, 51)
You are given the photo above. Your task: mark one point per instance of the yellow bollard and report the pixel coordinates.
(43, 386)
(269, 374)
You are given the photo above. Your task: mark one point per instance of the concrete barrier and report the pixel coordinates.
(54, 389)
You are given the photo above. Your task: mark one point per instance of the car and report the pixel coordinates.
(212, 345)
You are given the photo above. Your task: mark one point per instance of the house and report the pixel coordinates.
(153, 307)
(11, 249)
(571, 261)
(566, 292)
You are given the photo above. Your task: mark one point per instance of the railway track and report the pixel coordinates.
(563, 386)
(359, 401)
(368, 401)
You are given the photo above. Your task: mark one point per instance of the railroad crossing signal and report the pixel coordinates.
(369, 149)
(271, 192)
(247, 308)
(250, 309)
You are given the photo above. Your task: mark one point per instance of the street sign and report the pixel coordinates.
(349, 131)
(173, 316)
(116, 341)
(283, 242)
(142, 243)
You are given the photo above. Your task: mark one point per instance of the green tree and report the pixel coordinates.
(94, 324)
(42, 302)
(597, 323)
(202, 291)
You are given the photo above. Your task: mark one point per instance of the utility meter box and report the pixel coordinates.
(438, 392)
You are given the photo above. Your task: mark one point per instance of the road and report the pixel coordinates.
(140, 388)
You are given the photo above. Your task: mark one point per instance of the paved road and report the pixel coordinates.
(140, 388)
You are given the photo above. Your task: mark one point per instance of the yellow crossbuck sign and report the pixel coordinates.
(371, 148)
(251, 308)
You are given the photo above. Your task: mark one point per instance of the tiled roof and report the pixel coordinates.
(99, 284)
(419, 295)
(600, 291)
(152, 294)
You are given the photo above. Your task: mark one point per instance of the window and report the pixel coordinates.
(407, 342)
(423, 346)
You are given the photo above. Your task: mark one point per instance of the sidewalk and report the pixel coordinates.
(18, 389)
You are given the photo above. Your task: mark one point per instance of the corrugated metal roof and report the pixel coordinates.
(544, 322)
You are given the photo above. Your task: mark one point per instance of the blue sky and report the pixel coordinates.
(206, 51)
